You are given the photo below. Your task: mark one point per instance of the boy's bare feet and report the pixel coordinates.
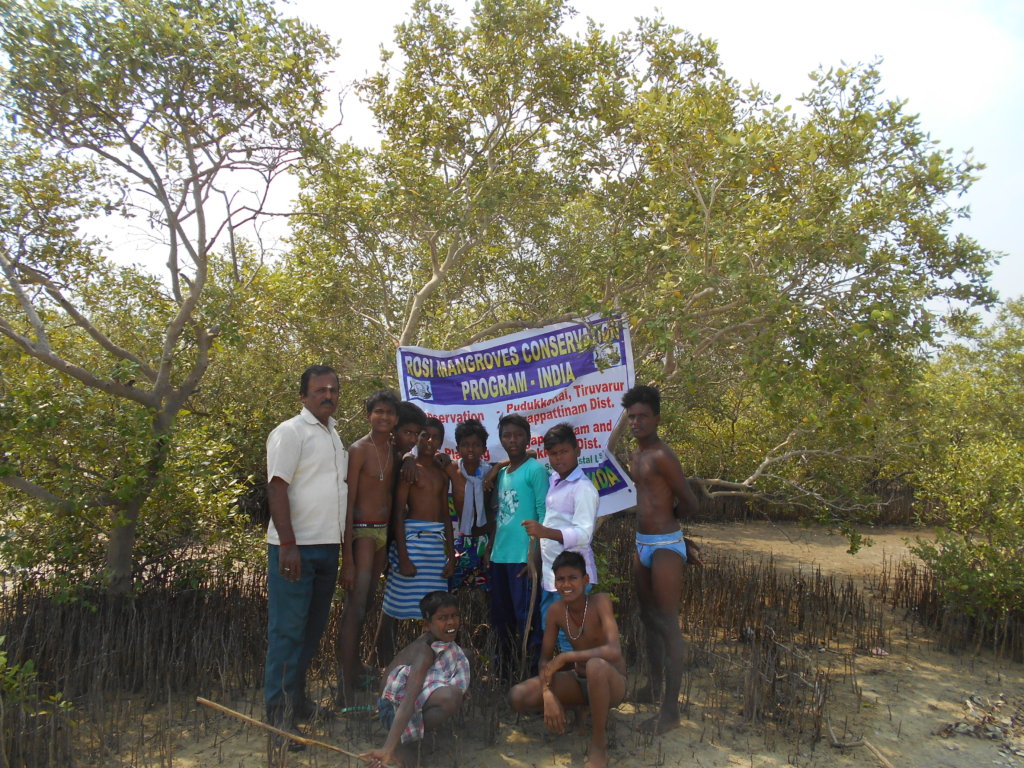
(597, 757)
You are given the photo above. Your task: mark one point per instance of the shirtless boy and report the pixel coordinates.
(661, 552)
(371, 480)
(592, 674)
(421, 555)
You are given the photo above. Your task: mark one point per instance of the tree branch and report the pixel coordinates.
(83, 322)
(34, 320)
(519, 325)
(46, 355)
(36, 491)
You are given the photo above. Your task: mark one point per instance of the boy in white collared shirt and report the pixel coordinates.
(570, 512)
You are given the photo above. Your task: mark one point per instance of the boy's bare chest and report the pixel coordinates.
(430, 479)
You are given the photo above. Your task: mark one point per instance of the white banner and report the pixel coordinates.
(575, 373)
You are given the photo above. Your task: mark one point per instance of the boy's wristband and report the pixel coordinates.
(287, 543)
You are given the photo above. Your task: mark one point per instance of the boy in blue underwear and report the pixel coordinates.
(661, 552)
(424, 685)
(421, 555)
(570, 511)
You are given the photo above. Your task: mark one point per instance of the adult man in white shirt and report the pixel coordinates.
(307, 496)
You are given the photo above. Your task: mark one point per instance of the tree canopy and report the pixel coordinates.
(782, 268)
(786, 268)
(142, 108)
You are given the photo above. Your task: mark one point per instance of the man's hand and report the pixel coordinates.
(289, 562)
(449, 568)
(406, 567)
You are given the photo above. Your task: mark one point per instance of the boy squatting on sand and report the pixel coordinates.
(394, 427)
(660, 552)
(592, 675)
(424, 685)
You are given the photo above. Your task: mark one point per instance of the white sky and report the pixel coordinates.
(959, 62)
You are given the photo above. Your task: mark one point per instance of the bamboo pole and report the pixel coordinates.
(272, 729)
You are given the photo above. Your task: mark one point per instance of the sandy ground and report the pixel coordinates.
(910, 705)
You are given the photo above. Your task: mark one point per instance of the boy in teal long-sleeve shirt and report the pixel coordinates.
(522, 487)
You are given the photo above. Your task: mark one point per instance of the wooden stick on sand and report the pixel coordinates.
(272, 729)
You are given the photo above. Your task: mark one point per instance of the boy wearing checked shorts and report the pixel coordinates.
(661, 552)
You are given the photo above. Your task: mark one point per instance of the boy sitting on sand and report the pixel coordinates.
(592, 675)
(424, 684)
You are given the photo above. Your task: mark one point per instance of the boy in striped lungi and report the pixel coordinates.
(421, 556)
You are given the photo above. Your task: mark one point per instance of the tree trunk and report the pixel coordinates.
(120, 547)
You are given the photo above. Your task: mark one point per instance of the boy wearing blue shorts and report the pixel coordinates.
(661, 552)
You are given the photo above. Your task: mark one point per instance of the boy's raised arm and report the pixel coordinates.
(669, 467)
